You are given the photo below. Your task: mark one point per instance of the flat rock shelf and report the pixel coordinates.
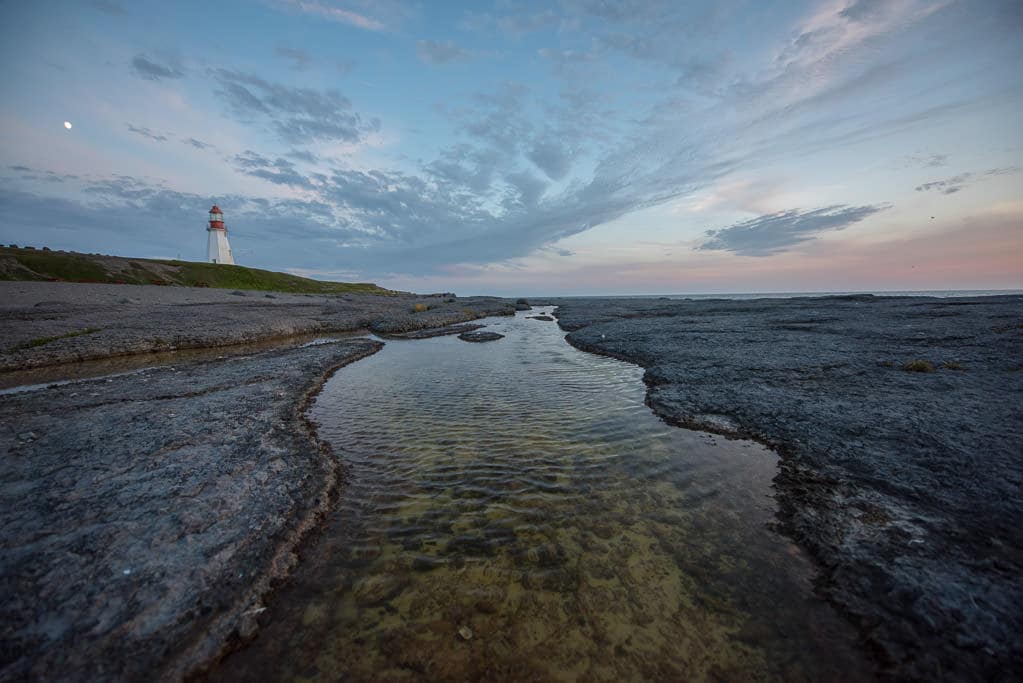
(145, 515)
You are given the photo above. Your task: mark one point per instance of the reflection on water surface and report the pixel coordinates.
(513, 511)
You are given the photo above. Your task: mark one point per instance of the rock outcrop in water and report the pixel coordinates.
(480, 336)
(904, 485)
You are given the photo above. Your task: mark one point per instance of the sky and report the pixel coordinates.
(519, 148)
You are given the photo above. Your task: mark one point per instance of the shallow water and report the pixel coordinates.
(520, 491)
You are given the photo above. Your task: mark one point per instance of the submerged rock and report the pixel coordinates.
(375, 590)
(540, 317)
(480, 336)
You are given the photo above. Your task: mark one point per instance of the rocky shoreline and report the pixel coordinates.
(146, 514)
(53, 323)
(900, 426)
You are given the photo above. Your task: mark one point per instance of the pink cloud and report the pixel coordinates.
(336, 14)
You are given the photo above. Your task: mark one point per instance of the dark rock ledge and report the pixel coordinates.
(146, 516)
(906, 486)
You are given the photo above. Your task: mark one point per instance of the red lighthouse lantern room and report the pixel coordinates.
(216, 218)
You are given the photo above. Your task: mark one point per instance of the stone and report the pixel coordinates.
(480, 336)
(378, 589)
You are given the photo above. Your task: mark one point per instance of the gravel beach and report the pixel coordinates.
(902, 478)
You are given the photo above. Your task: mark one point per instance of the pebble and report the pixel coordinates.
(465, 632)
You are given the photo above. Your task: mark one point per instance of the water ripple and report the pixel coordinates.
(522, 490)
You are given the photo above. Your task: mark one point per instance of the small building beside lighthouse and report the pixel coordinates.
(219, 250)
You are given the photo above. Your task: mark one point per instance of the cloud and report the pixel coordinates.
(297, 115)
(551, 157)
(512, 24)
(523, 167)
(299, 59)
(146, 68)
(948, 185)
(198, 144)
(146, 133)
(861, 10)
(773, 233)
(958, 182)
(333, 12)
(279, 171)
(440, 52)
(303, 155)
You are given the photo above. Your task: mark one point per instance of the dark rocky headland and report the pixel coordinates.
(900, 425)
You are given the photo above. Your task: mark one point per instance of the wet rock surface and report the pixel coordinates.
(480, 336)
(436, 332)
(904, 485)
(545, 318)
(50, 323)
(145, 516)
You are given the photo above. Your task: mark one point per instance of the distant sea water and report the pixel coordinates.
(943, 293)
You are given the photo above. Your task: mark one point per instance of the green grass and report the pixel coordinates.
(60, 266)
(32, 264)
(193, 274)
(32, 343)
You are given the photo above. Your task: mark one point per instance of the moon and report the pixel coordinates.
(67, 124)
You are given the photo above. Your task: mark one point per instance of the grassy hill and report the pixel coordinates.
(68, 266)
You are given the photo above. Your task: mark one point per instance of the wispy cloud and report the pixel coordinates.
(958, 182)
(299, 59)
(297, 115)
(279, 171)
(773, 233)
(146, 68)
(146, 133)
(198, 144)
(336, 13)
(440, 52)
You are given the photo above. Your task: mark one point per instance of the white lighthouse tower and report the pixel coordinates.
(219, 250)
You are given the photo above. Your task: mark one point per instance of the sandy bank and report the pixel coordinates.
(146, 515)
(906, 486)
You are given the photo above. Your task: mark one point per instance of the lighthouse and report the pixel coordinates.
(219, 250)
